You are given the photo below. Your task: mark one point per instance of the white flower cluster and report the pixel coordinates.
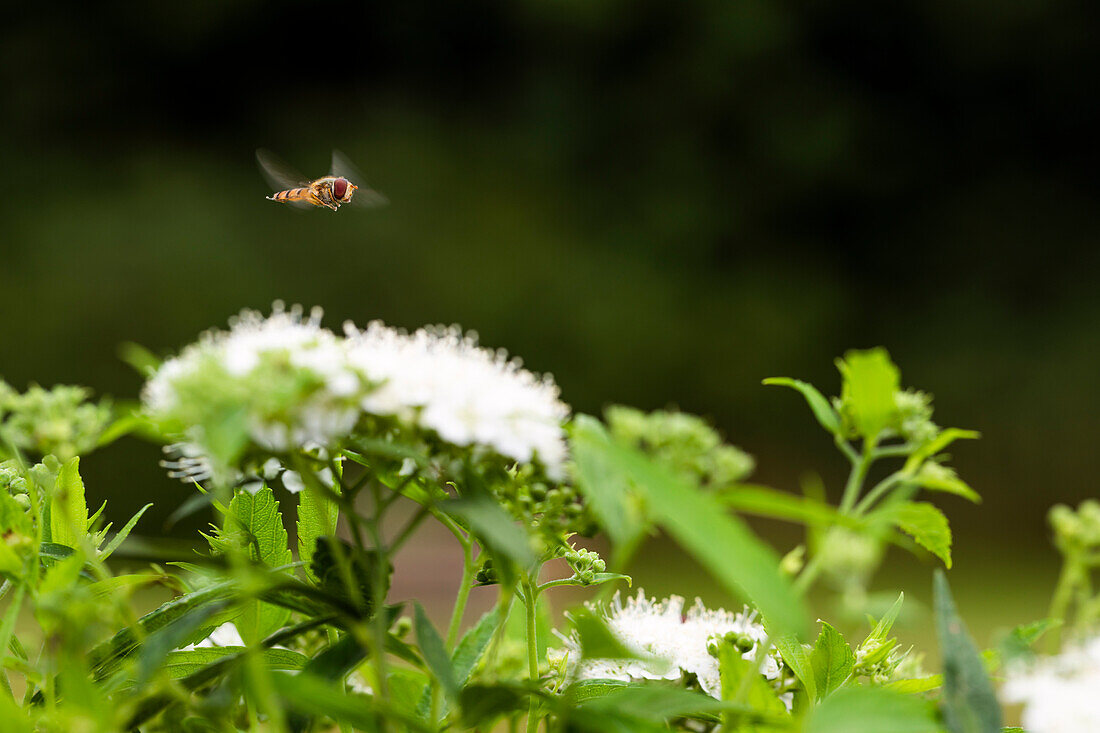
(301, 386)
(442, 380)
(1059, 694)
(677, 644)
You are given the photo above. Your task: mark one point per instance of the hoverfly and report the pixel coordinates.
(331, 191)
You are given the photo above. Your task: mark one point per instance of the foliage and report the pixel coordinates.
(268, 634)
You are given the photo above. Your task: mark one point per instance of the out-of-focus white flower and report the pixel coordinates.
(675, 643)
(440, 379)
(288, 378)
(224, 635)
(1059, 694)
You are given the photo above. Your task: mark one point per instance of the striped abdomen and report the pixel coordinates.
(291, 194)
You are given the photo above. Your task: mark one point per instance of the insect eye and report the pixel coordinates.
(340, 188)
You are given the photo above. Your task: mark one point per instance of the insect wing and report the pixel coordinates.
(278, 173)
(365, 196)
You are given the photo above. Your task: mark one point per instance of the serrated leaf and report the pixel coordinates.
(832, 660)
(925, 524)
(823, 411)
(68, 510)
(870, 381)
(969, 703)
(1017, 644)
(257, 516)
(797, 657)
(872, 710)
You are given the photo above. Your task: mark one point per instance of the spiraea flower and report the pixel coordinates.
(441, 379)
(1058, 693)
(278, 383)
(672, 645)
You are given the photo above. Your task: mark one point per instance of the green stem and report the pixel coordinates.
(1063, 595)
(530, 600)
(379, 593)
(421, 514)
(878, 490)
(857, 477)
(808, 575)
(333, 637)
(468, 569)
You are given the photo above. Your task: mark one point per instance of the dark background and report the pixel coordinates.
(661, 202)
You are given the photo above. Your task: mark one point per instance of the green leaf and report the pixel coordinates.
(832, 660)
(1017, 644)
(349, 574)
(11, 615)
(916, 685)
(337, 659)
(738, 672)
(872, 710)
(767, 502)
(969, 703)
(924, 523)
(822, 410)
(935, 477)
(119, 538)
(723, 544)
(180, 664)
(482, 705)
(659, 703)
(257, 516)
(68, 511)
(884, 624)
(473, 645)
(173, 635)
(605, 488)
(795, 655)
(870, 380)
(317, 516)
(934, 446)
(309, 695)
(435, 653)
(494, 527)
(105, 657)
(597, 641)
(582, 690)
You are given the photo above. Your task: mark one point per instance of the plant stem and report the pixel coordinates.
(530, 600)
(463, 594)
(877, 491)
(417, 518)
(1063, 594)
(857, 477)
(808, 575)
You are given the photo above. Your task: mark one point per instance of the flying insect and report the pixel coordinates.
(343, 185)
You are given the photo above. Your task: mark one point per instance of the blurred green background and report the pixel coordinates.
(660, 202)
